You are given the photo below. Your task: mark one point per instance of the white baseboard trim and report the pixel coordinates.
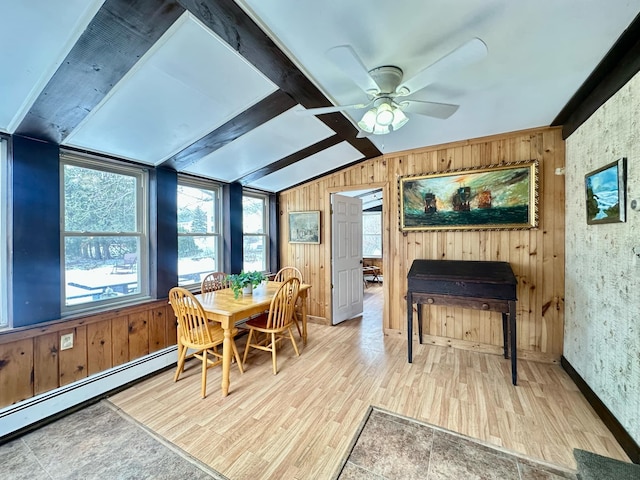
(34, 409)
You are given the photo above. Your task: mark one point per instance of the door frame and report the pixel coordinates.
(388, 221)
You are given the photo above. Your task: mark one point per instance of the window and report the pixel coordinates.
(199, 230)
(372, 234)
(255, 228)
(4, 203)
(104, 233)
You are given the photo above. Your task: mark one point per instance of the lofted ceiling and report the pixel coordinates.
(218, 89)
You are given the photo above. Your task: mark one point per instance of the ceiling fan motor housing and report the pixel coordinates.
(388, 78)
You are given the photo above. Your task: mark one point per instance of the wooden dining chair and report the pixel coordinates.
(197, 333)
(214, 281)
(284, 274)
(276, 323)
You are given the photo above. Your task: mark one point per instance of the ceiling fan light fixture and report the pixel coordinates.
(382, 119)
(399, 119)
(368, 121)
(384, 115)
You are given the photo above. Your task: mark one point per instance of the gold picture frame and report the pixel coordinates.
(496, 197)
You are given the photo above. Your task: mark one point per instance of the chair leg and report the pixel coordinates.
(204, 373)
(297, 322)
(237, 356)
(247, 346)
(181, 357)
(273, 353)
(293, 341)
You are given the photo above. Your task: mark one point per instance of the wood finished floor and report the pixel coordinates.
(299, 423)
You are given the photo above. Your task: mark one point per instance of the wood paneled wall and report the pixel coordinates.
(536, 255)
(31, 361)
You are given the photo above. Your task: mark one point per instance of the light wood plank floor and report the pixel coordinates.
(298, 424)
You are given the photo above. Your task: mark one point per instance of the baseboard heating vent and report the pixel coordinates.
(33, 410)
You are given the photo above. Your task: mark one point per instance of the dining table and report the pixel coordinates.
(223, 307)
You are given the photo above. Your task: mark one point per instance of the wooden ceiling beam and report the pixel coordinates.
(227, 20)
(116, 38)
(263, 111)
(290, 159)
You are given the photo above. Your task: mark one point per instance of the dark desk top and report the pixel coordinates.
(463, 278)
(463, 270)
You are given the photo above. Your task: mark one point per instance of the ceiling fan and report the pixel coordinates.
(389, 95)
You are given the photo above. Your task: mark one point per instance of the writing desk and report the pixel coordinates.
(489, 286)
(221, 306)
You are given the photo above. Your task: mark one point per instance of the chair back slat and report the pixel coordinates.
(192, 320)
(283, 304)
(285, 273)
(214, 281)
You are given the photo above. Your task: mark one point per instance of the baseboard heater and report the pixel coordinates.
(36, 409)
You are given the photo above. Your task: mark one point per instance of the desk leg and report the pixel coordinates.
(512, 329)
(409, 324)
(505, 333)
(227, 349)
(419, 307)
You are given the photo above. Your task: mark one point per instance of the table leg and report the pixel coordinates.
(512, 328)
(227, 350)
(304, 317)
(419, 307)
(409, 324)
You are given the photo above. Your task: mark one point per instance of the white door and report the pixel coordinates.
(346, 257)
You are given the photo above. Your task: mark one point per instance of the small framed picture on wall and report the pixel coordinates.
(304, 227)
(605, 193)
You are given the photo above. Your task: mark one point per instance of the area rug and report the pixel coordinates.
(389, 446)
(98, 442)
(592, 466)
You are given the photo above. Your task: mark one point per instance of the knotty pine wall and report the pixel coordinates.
(31, 362)
(536, 255)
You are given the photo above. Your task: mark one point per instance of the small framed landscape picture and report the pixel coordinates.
(605, 190)
(304, 227)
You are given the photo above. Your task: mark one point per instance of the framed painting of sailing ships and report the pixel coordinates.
(496, 197)
(605, 189)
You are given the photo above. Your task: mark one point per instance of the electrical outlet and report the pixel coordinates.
(66, 341)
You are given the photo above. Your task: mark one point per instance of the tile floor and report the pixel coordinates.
(393, 447)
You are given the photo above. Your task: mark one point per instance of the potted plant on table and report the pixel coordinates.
(244, 282)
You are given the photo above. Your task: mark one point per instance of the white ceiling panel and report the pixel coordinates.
(283, 135)
(325, 161)
(187, 85)
(30, 56)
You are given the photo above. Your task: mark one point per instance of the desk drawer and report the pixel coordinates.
(488, 304)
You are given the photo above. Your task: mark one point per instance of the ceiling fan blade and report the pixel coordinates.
(347, 60)
(363, 134)
(430, 109)
(339, 108)
(466, 54)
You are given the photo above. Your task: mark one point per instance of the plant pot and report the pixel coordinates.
(247, 290)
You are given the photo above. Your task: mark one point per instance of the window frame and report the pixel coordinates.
(5, 288)
(379, 215)
(142, 230)
(265, 222)
(192, 182)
